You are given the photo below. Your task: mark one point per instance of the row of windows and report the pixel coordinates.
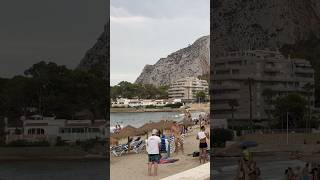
(35, 131)
(79, 130)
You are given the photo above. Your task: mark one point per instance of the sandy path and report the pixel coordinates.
(134, 166)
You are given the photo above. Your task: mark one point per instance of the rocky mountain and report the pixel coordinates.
(97, 58)
(257, 24)
(190, 61)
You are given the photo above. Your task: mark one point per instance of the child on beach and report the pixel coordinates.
(202, 136)
(153, 149)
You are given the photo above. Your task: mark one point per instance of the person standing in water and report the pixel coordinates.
(202, 136)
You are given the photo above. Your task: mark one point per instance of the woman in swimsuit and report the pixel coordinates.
(203, 136)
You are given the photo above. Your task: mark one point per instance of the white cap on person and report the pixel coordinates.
(154, 132)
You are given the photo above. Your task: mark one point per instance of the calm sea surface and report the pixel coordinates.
(138, 119)
(54, 170)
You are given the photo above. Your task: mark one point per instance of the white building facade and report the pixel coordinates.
(186, 88)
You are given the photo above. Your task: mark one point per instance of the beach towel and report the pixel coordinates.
(172, 145)
(167, 160)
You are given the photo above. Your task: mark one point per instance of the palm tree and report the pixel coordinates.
(250, 81)
(308, 91)
(268, 96)
(233, 103)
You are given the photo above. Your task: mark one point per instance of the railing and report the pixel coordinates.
(201, 172)
(276, 131)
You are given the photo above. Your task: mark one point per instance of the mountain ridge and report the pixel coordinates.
(189, 61)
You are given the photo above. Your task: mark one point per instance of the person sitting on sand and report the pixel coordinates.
(175, 131)
(153, 149)
(202, 136)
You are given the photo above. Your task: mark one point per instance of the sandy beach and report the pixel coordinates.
(134, 166)
(193, 107)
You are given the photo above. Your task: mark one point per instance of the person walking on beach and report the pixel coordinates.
(153, 149)
(203, 136)
(240, 171)
(175, 131)
(246, 155)
(254, 171)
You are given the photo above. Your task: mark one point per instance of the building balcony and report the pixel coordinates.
(271, 69)
(304, 70)
(230, 96)
(230, 86)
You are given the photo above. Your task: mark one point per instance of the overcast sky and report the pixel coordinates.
(56, 30)
(143, 31)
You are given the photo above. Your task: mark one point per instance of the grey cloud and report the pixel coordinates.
(59, 30)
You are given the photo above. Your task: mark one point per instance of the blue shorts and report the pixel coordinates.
(154, 158)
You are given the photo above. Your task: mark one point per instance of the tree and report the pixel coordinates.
(233, 104)
(201, 96)
(144, 91)
(220, 136)
(308, 49)
(295, 105)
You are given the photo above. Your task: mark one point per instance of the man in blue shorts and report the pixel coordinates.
(153, 149)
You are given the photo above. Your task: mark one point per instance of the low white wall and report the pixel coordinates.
(201, 172)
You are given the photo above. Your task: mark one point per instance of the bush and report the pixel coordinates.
(150, 107)
(176, 105)
(88, 144)
(60, 142)
(220, 136)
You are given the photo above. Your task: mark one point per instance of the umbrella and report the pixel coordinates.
(127, 131)
(163, 124)
(113, 141)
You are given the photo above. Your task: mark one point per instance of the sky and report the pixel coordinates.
(143, 31)
(60, 31)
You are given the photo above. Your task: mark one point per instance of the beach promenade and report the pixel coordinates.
(201, 172)
(134, 166)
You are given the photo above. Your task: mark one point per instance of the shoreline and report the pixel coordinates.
(192, 107)
(141, 110)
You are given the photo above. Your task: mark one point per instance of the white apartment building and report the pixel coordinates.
(186, 88)
(37, 128)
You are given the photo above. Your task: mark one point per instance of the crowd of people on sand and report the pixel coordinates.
(247, 167)
(155, 141)
(311, 171)
(117, 128)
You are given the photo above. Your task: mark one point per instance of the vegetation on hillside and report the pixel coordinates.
(205, 77)
(144, 91)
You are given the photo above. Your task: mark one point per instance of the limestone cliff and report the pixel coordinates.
(190, 61)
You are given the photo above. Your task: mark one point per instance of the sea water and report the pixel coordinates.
(138, 119)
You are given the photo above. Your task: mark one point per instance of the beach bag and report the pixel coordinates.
(196, 154)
